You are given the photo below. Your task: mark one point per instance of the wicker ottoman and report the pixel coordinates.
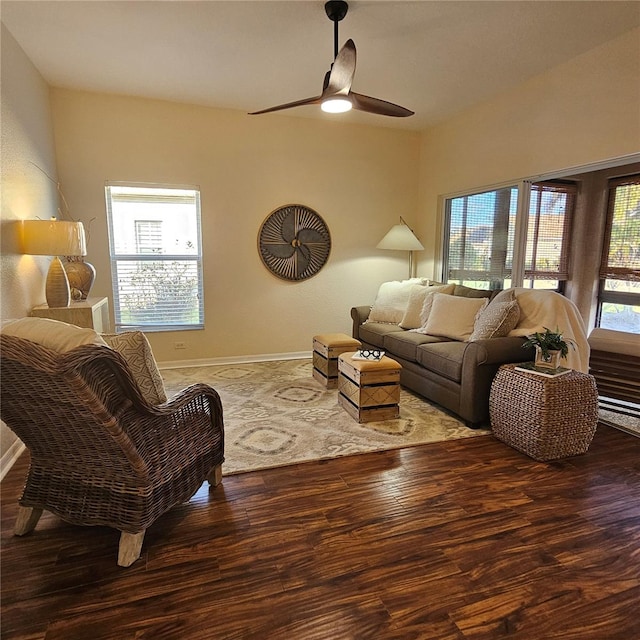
(546, 418)
(326, 349)
(369, 389)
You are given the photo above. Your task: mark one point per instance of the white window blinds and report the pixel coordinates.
(156, 257)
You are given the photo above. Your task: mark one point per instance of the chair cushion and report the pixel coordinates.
(134, 347)
(53, 334)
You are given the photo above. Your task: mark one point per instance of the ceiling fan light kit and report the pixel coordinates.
(336, 96)
(336, 105)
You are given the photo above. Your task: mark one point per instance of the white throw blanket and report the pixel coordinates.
(540, 309)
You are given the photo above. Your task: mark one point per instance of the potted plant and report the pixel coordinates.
(550, 347)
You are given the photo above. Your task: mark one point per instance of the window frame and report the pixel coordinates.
(607, 272)
(155, 257)
(518, 270)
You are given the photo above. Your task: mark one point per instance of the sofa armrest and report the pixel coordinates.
(359, 315)
(500, 350)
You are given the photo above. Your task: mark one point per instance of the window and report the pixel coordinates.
(479, 242)
(619, 299)
(156, 257)
(482, 232)
(551, 207)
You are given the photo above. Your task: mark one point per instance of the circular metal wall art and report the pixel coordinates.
(294, 242)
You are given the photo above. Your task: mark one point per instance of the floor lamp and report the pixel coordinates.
(54, 238)
(401, 238)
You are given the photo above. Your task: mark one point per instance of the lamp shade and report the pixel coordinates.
(400, 238)
(53, 238)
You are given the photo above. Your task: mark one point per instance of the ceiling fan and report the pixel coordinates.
(336, 96)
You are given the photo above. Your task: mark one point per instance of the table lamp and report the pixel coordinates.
(54, 238)
(401, 238)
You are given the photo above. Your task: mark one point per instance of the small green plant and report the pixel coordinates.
(549, 341)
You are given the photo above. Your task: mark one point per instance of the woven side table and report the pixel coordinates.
(546, 418)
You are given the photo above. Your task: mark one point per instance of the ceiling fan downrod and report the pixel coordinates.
(336, 10)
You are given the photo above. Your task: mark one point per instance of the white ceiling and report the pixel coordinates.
(435, 57)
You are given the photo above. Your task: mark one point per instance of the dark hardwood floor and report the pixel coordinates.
(466, 539)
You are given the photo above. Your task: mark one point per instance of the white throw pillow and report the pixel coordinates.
(412, 318)
(53, 334)
(134, 347)
(392, 300)
(454, 316)
(496, 321)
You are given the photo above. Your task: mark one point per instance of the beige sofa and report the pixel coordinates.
(454, 373)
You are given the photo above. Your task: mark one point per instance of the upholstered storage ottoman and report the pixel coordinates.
(546, 418)
(326, 349)
(369, 389)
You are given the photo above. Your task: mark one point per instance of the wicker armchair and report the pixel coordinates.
(100, 454)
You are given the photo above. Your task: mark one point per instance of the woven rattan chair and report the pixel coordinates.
(100, 454)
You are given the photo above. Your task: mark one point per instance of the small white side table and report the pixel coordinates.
(92, 313)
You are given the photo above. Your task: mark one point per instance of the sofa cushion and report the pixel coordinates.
(392, 300)
(496, 321)
(419, 305)
(467, 292)
(454, 317)
(404, 344)
(443, 358)
(374, 332)
(53, 334)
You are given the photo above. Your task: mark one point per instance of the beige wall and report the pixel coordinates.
(584, 111)
(358, 178)
(26, 193)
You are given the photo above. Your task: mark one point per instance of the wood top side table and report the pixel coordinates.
(92, 313)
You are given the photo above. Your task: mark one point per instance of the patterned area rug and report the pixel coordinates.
(276, 414)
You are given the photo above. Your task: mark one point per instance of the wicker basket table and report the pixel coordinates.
(546, 418)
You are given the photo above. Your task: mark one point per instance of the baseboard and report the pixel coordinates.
(10, 456)
(208, 362)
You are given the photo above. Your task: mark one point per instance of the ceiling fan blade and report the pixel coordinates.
(342, 71)
(380, 107)
(289, 105)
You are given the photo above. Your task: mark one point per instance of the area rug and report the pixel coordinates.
(277, 414)
(628, 423)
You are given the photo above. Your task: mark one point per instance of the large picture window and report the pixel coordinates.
(156, 257)
(483, 229)
(479, 242)
(619, 297)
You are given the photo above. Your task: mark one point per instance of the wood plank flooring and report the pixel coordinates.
(458, 540)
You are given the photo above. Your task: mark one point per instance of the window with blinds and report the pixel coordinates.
(480, 235)
(619, 296)
(479, 238)
(156, 257)
(551, 208)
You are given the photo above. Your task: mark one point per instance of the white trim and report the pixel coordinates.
(611, 163)
(10, 456)
(210, 362)
(520, 234)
